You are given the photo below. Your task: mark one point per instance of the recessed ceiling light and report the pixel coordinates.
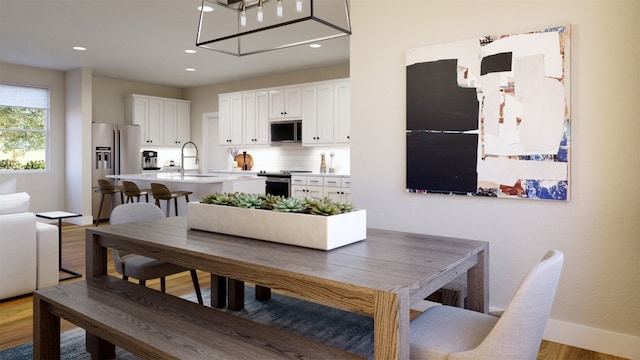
(315, 46)
(190, 69)
(79, 48)
(190, 51)
(205, 9)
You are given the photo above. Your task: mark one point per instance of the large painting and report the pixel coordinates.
(490, 116)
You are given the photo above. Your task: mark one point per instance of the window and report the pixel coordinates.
(24, 128)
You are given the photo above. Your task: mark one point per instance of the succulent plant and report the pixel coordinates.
(325, 208)
(345, 206)
(312, 205)
(218, 199)
(290, 205)
(269, 200)
(243, 200)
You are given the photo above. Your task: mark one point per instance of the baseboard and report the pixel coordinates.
(602, 341)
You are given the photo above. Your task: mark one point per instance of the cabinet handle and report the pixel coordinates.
(348, 137)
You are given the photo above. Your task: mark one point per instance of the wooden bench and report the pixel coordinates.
(151, 324)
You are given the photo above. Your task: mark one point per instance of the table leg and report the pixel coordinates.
(46, 331)
(236, 294)
(478, 283)
(60, 267)
(218, 291)
(263, 293)
(391, 325)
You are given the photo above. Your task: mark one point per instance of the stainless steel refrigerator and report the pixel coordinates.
(116, 150)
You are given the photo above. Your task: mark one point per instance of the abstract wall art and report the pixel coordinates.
(490, 116)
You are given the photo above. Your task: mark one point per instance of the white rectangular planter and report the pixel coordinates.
(312, 231)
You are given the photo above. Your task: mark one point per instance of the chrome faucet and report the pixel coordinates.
(182, 157)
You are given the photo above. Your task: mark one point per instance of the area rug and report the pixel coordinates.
(337, 328)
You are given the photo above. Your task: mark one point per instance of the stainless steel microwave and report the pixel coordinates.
(289, 131)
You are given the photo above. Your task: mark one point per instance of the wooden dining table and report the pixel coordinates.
(381, 276)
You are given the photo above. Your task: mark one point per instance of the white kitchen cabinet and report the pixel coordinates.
(177, 122)
(342, 112)
(337, 188)
(307, 186)
(309, 114)
(285, 103)
(163, 121)
(147, 112)
(317, 114)
(230, 120)
(255, 114)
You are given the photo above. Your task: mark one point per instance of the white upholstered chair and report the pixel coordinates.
(444, 332)
(141, 267)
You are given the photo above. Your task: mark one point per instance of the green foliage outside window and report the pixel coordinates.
(22, 138)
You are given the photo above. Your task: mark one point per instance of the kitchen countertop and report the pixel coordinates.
(190, 178)
(321, 174)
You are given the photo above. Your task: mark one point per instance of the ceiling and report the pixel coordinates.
(138, 40)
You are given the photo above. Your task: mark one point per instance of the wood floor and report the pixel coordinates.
(16, 313)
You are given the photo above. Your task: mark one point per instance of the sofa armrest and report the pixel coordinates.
(18, 254)
(48, 264)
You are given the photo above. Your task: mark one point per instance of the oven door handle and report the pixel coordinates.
(278, 180)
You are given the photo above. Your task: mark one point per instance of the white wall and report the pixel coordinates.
(598, 230)
(78, 153)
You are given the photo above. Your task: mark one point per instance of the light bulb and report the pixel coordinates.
(279, 9)
(260, 15)
(243, 17)
(299, 6)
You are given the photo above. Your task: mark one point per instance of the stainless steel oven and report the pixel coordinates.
(278, 185)
(279, 182)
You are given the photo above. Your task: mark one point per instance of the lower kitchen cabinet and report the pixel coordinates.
(337, 188)
(307, 186)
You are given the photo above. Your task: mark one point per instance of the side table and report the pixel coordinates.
(59, 215)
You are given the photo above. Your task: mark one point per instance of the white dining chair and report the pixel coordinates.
(141, 267)
(445, 332)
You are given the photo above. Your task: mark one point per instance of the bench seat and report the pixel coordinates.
(150, 324)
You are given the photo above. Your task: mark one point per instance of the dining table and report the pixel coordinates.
(381, 276)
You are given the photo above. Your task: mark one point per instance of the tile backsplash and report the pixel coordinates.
(297, 157)
(272, 158)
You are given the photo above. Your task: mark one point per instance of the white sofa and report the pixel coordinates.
(28, 249)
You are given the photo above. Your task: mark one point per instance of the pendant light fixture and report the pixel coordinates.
(260, 16)
(244, 27)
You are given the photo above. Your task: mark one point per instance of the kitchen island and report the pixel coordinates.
(199, 184)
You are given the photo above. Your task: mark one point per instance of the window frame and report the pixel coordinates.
(46, 130)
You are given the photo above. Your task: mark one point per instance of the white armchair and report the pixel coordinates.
(28, 249)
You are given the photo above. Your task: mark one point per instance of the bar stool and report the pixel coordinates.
(161, 192)
(106, 188)
(132, 190)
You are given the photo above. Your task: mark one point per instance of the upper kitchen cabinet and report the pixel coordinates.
(147, 113)
(255, 118)
(177, 122)
(163, 121)
(285, 103)
(342, 112)
(317, 114)
(230, 119)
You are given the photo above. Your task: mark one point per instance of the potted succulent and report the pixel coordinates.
(311, 222)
